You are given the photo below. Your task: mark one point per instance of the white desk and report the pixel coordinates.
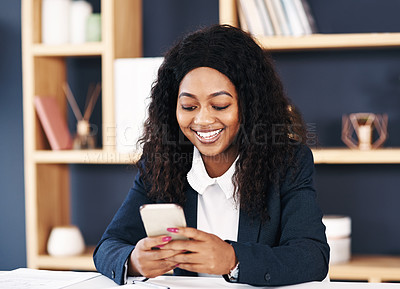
(102, 282)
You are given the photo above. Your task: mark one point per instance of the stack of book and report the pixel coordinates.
(276, 17)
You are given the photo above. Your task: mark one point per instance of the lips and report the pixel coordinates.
(208, 136)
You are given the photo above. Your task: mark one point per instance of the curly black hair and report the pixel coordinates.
(269, 128)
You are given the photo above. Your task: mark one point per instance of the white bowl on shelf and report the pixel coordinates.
(338, 234)
(65, 241)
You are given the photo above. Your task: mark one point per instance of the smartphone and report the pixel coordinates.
(158, 217)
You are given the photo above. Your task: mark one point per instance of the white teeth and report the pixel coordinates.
(209, 134)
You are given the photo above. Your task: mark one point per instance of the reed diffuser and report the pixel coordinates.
(84, 138)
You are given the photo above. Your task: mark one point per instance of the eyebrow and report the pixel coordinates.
(222, 92)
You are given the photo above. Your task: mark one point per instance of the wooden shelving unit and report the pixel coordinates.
(44, 72)
(84, 157)
(331, 41)
(82, 262)
(228, 15)
(370, 268)
(348, 156)
(87, 49)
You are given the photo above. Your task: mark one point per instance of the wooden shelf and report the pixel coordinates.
(86, 49)
(84, 157)
(47, 176)
(348, 156)
(370, 268)
(228, 15)
(321, 156)
(81, 262)
(330, 41)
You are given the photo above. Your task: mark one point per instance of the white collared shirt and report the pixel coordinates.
(217, 212)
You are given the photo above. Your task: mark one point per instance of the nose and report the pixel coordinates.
(203, 117)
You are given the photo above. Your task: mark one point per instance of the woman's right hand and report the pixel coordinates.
(146, 260)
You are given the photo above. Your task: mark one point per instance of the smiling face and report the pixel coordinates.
(208, 112)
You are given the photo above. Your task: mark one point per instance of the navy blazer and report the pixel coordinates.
(289, 248)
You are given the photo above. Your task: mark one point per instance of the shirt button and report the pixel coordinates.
(112, 274)
(267, 277)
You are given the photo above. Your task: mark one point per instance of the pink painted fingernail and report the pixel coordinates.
(173, 230)
(177, 265)
(167, 239)
(160, 246)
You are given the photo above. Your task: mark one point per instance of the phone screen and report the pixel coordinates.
(158, 217)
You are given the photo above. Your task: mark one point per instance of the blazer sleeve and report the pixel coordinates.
(302, 252)
(120, 237)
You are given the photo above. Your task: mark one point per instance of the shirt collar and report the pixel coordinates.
(199, 179)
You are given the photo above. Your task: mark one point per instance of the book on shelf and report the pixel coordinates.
(134, 78)
(280, 13)
(53, 122)
(293, 18)
(265, 18)
(252, 17)
(242, 19)
(276, 17)
(301, 13)
(309, 15)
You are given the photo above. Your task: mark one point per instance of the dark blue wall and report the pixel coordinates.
(97, 191)
(323, 84)
(12, 216)
(327, 84)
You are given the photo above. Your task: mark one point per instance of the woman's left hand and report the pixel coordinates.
(202, 253)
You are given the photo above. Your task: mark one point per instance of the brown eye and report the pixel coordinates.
(189, 108)
(221, 107)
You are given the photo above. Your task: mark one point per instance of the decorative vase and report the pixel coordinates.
(84, 139)
(65, 241)
(363, 125)
(79, 14)
(55, 21)
(364, 133)
(93, 28)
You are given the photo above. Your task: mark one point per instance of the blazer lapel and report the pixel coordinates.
(190, 208)
(249, 228)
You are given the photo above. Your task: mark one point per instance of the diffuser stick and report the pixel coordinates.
(72, 101)
(93, 99)
(89, 92)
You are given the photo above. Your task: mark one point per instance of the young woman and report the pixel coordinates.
(222, 141)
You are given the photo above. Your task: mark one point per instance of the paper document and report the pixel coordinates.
(180, 282)
(177, 282)
(42, 279)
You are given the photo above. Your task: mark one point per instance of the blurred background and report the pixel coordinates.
(322, 84)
